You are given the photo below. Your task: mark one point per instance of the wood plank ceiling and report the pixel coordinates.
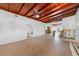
(48, 11)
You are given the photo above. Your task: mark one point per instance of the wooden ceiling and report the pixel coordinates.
(48, 11)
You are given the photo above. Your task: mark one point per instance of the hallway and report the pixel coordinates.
(39, 46)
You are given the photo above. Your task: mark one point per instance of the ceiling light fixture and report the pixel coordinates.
(36, 13)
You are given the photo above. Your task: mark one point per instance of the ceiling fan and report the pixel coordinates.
(36, 13)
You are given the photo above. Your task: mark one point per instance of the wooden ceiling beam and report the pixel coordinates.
(52, 10)
(14, 7)
(21, 8)
(48, 21)
(48, 11)
(26, 8)
(60, 17)
(47, 8)
(44, 7)
(4, 6)
(41, 9)
(68, 11)
(73, 10)
(66, 15)
(31, 9)
(9, 7)
(60, 11)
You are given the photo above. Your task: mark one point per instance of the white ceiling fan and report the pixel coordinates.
(36, 14)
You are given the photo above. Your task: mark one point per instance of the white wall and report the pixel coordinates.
(72, 23)
(69, 23)
(16, 28)
(77, 25)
